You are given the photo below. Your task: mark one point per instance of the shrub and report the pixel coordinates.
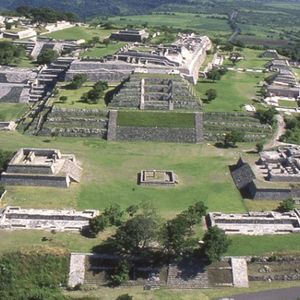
(63, 98)
(286, 205)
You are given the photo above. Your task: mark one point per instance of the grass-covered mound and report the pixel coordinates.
(34, 274)
(156, 119)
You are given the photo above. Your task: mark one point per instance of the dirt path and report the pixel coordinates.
(274, 142)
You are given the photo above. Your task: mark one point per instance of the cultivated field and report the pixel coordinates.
(197, 22)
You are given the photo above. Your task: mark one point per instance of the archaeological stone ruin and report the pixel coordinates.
(284, 83)
(256, 223)
(130, 35)
(184, 57)
(275, 176)
(12, 217)
(157, 177)
(41, 167)
(16, 84)
(151, 92)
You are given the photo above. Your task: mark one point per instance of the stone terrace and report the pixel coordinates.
(41, 167)
(62, 220)
(15, 84)
(256, 223)
(153, 92)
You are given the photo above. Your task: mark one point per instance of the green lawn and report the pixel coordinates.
(110, 175)
(233, 91)
(102, 50)
(157, 119)
(263, 245)
(197, 22)
(74, 96)
(288, 104)
(12, 111)
(252, 59)
(172, 294)
(77, 33)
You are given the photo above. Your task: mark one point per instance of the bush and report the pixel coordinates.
(47, 56)
(2, 190)
(121, 274)
(98, 224)
(215, 243)
(5, 157)
(286, 205)
(63, 98)
(232, 137)
(77, 81)
(124, 297)
(267, 116)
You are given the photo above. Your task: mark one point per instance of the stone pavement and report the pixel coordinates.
(77, 269)
(239, 272)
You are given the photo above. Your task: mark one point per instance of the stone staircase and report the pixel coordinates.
(156, 93)
(193, 276)
(73, 170)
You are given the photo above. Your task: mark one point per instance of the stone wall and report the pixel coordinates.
(174, 135)
(269, 193)
(35, 180)
(29, 169)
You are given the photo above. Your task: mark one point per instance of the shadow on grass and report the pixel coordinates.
(221, 145)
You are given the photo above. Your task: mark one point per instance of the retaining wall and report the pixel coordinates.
(174, 135)
(35, 180)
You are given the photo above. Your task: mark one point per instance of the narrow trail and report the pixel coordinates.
(274, 142)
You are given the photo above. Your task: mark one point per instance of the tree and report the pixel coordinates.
(124, 297)
(5, 157)
(121, 274)
(215, 243)
(267, 116)
(95, 40)
(114, 214)
(137, 233)
(10, 53)
(211, 94)
(100, 86)
(47, 56)
(174, 234)
(63, 98)
(77, 81)
(106, 42)
(2, 190)
(227, 47)
(98, 224)
(214, 75)
(193, 215)
(259, 147)
(132, 210)
(286, 205)
(232, 137)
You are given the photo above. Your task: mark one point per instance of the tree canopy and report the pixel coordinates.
(10, 53)
(47, 56)
(215, 243)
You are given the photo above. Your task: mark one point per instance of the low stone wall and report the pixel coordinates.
(30, 169)
(174, 135)
(269, 193)
(35, 180)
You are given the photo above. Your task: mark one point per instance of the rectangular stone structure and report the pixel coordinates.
(256, 223)
(41, 167)
(157, 177)
(13, 217)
